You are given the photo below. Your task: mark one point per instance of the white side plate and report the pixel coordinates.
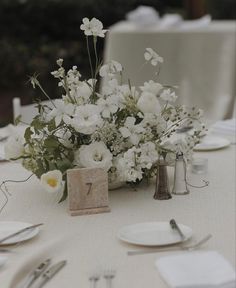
(10, 227)
(153, 234)
(212, 143)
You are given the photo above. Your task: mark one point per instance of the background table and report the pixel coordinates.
(89, 243)
(200, 61)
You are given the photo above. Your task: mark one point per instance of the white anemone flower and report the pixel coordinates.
(152, 56)
(93, 27)
(110, 69)
(61, 111)
(168, 95)
(148, 103)
(14, 147)
(86, 119)
(94, 155)
(108, 106)
(52, 181)
(131, 131)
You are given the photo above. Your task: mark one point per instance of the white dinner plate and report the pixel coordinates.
(153, 234)
(212, 143)
(10, 227)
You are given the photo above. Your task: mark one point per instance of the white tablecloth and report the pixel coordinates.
(89, 243)
(200, 61)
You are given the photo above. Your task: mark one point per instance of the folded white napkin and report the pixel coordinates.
(226, 128)
(200, 269)
(143, 16)
(193, 24)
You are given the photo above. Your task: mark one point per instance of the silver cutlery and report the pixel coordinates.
(48, 274)
(19, 232)
(94, 279)
(175, 226)
(34, 275)
(109, 275)
(3, 138)
(191, 247)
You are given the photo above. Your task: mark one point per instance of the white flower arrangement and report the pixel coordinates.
(120, 128)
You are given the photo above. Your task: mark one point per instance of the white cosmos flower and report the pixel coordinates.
(108, 106)
(152, 87)
(14, 147)
(52, 181)
(93, 27)
(86, 119)
(168, 95)
(95, 155)
(152, 56)
(148, 103)
(131, 131)
(61, 111)
(110, 69)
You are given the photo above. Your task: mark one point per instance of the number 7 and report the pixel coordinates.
(90, 187)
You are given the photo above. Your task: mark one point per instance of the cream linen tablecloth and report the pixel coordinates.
(201, 61)
(89, 243)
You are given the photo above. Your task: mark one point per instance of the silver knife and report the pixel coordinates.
(19, 232)
(47, 275)
(30, 279)
(175, 226)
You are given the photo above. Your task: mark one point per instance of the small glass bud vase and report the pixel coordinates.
(162, 191)
(180, 183)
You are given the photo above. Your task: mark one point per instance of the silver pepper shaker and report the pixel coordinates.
(180, 183)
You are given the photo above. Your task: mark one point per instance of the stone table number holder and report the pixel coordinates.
(87, 191)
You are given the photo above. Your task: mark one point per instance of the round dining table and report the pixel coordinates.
(89, 243)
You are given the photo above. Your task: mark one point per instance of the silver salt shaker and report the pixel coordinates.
(180, 183)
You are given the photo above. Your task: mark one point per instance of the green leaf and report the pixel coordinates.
(28, 134)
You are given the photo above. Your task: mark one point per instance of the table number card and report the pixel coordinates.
(87, 191)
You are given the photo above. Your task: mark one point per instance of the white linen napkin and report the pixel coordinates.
(200, 269)
(226, 128)
(143, 16)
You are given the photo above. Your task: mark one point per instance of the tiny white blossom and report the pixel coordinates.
(152, 56)
(52, 181)
(93, 27)
(94, 155)
(168, 95)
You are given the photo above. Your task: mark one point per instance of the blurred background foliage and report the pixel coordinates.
(35, 33)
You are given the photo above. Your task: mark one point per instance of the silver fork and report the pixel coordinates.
(109, 275)
(94, 279)
(173, 248)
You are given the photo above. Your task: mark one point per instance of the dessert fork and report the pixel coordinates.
(94, 279)
(108, 276)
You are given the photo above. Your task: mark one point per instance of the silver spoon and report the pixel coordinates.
(172, 248)
(175, 226)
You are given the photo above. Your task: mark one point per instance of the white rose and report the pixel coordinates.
(52, 181)
(95, 155)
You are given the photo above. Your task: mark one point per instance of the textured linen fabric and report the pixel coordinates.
(200, 61)
(89, 243)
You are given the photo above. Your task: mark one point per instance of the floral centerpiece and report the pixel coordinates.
(120, 128)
